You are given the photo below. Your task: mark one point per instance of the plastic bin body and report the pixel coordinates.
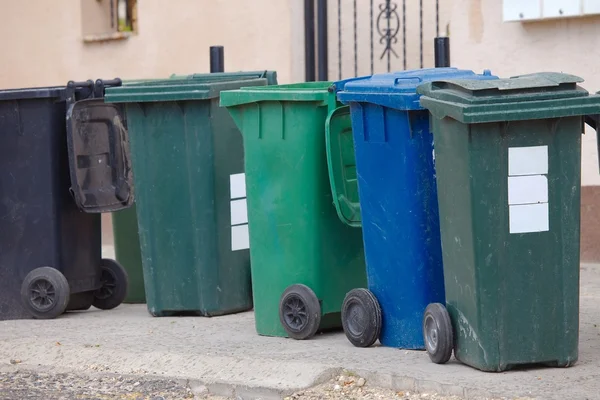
(41, 224)
(508, 159)
(125, 226)
(296, 236)
(127, 252)
(187, 159)
(398, 197)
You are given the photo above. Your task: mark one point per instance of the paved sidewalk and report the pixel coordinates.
(225, 355)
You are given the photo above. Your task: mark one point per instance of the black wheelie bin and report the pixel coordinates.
(50, 243)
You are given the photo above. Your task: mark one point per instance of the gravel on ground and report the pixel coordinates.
(22, 384)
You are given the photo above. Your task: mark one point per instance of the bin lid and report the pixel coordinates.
(98, 148)
(177, 89)
(32, 93)
(98, 144)
(533, 96)
(341, 163)
(398, 90)
(270, 76)
(306, 91)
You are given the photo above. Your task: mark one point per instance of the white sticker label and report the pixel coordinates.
(239, 212)
(528, 189)
(237, 185)
(526, 218)
(528, 160)
(240, 239)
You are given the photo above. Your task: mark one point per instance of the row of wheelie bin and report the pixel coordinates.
(432, 209)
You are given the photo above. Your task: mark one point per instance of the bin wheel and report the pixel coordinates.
(299, 312)
(80, 301)
(45, 293)
(437, 333)
(114, 282)
(361, 317)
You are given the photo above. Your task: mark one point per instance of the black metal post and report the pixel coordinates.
(309, 40)
(322, 63)
(217, 63)
(442, 51)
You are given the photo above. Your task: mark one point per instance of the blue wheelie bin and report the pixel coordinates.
(398, 205)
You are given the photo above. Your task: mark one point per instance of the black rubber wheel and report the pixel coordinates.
(361, 317)
(80, 301)
(45, 293)
(300, 312)
(114, 281)
(437, 333)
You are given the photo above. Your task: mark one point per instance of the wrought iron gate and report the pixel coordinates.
(368, 36)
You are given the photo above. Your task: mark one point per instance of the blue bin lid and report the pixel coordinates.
(399, 89)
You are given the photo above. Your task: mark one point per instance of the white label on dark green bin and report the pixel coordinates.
(528, 189)
(240, 239)
(237, 185)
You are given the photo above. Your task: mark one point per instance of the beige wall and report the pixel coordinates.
(42, 40)
(481, 40)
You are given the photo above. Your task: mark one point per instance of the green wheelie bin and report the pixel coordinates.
(187, 157)
(124, 222)
(127, 252)
(304, 257)
(508, 162)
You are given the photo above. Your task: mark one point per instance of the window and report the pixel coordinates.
(108, 19)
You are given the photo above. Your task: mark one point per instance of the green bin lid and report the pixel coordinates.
(178, 89)
(270, 76)
(533, 96)
(308, 91)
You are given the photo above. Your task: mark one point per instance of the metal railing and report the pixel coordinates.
(372, 36)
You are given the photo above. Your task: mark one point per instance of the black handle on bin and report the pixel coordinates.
(594, 122)
(74, 84)
(442, 51)
(217, 63)
(102, 84)
(72, 87)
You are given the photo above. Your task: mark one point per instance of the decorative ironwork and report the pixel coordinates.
(421, 31)
(404, 33)
(388, 26)
(339, 39)
(355, 41)
(386, 22)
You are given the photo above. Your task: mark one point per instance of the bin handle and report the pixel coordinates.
(348, 209)
(413, 79)
(593, 121)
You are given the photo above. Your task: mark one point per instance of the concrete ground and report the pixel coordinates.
(226, 356)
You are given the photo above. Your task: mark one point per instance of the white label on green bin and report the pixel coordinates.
(240, 239)
(528, 189)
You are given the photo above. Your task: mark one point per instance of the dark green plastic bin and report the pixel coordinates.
(508, 163)
(188, 167)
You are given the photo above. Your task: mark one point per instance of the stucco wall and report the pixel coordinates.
(42, 40)
(480, 39)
